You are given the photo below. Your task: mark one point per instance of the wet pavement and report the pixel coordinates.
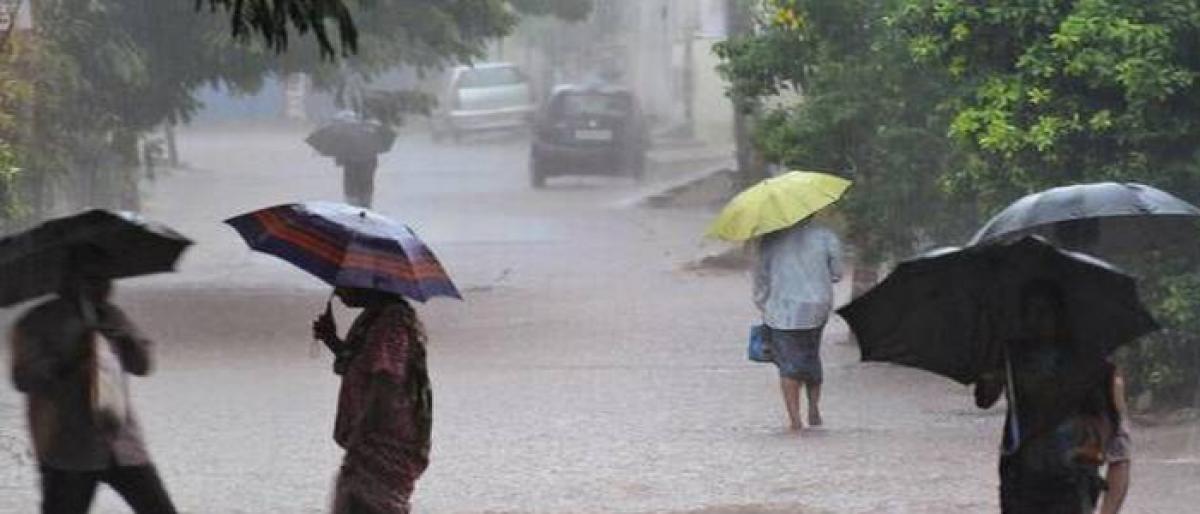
(586, 372)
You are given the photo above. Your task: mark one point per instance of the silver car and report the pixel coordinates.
(484, 97)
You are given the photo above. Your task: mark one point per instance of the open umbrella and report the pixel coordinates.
(777, 203)
(353, 140)
(347, 246)
(1104, 218)
(32, 263)
(946, 311)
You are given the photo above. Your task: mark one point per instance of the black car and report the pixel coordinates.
(588, 130)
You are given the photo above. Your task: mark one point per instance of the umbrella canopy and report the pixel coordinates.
(33, 263)
(352, 140)
(947, 311)
(347, 247)
(1105, 218)
(777, 203)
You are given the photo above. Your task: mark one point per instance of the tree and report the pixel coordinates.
(840, 94)
(105, 72)
(1049, 93)
(274, 20)
(1058, 92)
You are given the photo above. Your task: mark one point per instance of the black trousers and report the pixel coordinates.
(1076, 493)
(358, 182)
(72, 492)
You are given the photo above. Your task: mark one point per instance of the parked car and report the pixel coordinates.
(589, 130)
(482, 97)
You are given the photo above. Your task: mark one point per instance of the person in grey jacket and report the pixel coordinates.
(793, 288)
(71, 356)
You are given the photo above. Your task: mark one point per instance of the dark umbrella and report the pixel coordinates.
(947, 312)
(352, 140)
(1105, 218)
(347, 247)
(32, 263)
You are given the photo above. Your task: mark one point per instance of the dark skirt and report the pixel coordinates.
(797, 353)
(1074, 491)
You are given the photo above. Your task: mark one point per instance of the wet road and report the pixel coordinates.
(586, 372)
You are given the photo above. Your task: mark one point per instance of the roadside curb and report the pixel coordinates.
(709, 189)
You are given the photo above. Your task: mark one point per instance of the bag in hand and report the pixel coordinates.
(758, 350)
(109, 401)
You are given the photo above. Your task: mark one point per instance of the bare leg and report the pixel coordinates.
(791, 401)
(814, 403)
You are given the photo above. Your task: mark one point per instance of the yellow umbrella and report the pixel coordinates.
(777, 203)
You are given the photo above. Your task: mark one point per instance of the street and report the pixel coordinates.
(587, 371)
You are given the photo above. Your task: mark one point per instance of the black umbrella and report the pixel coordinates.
(947, 312)
(32, 262)
(1105, 218)
(352, 140)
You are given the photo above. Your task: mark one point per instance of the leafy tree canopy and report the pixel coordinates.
(274, 21)
(1057, 92)
(838, 92)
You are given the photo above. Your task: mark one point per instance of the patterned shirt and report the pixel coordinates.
(383, 461)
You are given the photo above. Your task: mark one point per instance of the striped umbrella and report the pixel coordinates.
(347, 247)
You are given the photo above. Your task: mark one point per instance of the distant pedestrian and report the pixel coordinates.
(354, 142)
(793, 288)
(358, 180)
(385, 407)
(70, 358)
(1066, 416)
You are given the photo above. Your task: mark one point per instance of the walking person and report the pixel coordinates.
(354, 142)
(385, 407)
(358, 179)
(1066, 416)
(71, 356)
(793, 288)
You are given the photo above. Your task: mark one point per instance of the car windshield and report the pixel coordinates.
(593, 104)
(490, 77)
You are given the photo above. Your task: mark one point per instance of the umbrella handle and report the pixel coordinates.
(1011, 396)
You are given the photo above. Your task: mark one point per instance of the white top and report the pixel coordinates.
(793, 280)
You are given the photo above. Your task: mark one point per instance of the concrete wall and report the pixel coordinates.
(712, 111)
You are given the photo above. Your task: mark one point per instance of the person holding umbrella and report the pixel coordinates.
(385, 405)
(1067, 421)
(1113, 220)
(798, 261)
(1032, 322)
(355, 144)
(71, 355)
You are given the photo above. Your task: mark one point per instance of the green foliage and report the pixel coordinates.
(866, 111)
(1165, 364)
(944, 111)
(426, 35)
(1059, 92)
(107, 71)
(274, 21)
(1051, 93)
